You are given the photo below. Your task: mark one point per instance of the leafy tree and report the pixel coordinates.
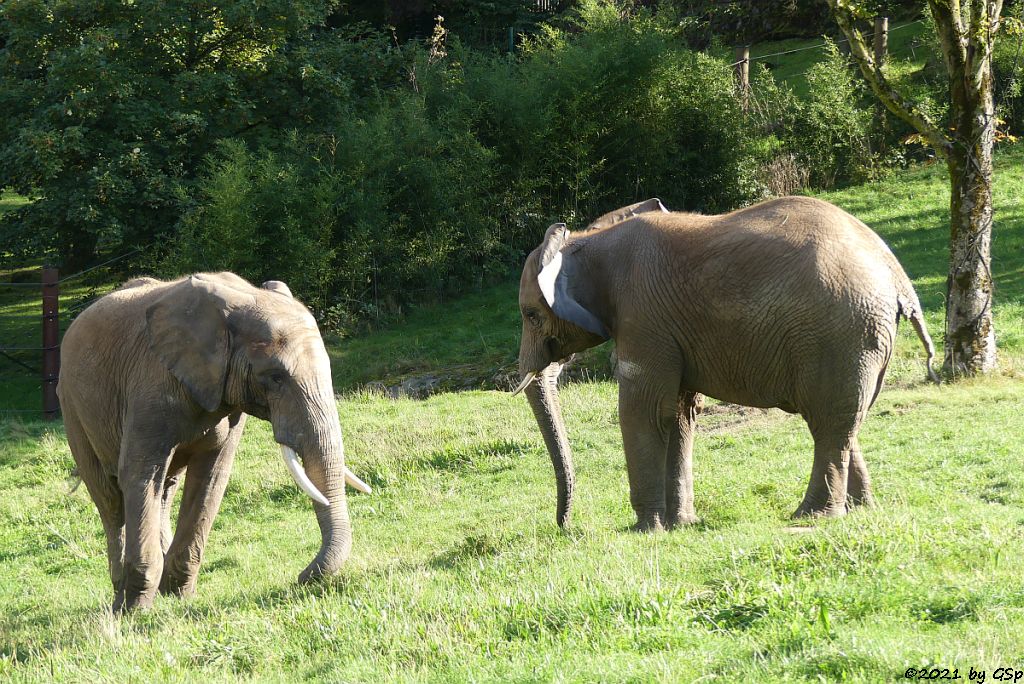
(109, 106)
(966, 31)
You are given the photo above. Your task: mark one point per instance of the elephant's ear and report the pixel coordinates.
(187, 330)
(623, 213)
(560, 278)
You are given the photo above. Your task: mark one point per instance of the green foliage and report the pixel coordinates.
(830, 132)
(385, 204)
(110, 106)
(629, 114)
(290, 234)
(446, 182)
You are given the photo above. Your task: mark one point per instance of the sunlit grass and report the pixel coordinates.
(459, 572)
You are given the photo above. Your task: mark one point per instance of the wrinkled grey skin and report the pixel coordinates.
(156, 381)
(791, 303)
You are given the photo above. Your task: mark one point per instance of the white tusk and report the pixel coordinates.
(525, 383)
(291, 459)
(355, 483)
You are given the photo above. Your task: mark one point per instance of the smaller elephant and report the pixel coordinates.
(156, 381)
(791, 303)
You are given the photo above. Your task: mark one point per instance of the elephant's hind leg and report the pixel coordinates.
(166, 503)
(835, 442)
(858, 487)
(679, 508)
(104, 492)
(205, 481)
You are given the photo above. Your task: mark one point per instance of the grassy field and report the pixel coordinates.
(459, 573)
(20, 327)
(789, 60)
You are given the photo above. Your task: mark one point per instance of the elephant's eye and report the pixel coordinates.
(274, 379)
(533, 317)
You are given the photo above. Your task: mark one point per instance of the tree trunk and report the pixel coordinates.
(970, 345)
(966, 33)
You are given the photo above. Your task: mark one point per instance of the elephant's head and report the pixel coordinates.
(565, 308)
(234, 346)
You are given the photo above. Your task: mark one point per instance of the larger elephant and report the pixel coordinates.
(156, 381)
(791, 303)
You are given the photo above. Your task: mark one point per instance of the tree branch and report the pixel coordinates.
(948, 16)
(889, 96)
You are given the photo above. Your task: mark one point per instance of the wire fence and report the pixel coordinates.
(36, 306)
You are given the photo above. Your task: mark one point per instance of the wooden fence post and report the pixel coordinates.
(51, 342)
(881, 52)
(881, 40)
(742, 70)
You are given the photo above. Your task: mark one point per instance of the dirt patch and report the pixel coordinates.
(723, 417)
(461, 378)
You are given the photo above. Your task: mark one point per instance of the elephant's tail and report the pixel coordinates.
(910, 308)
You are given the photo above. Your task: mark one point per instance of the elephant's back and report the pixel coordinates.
(113, 317)
(803, 242)
(788, 294)
(97, 343)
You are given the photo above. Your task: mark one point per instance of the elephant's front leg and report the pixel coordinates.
(645, 427)
(142, 483)
(679, 508)
(205, 482)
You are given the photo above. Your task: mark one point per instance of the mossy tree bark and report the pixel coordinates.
(966, 31)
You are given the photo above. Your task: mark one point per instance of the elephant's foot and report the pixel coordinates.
(860, 500)
(127, 601)
(681, 520)
(858, 484)
(182, 586)
(178, 579)
(649, 522)
(136, 591)
(818, 510)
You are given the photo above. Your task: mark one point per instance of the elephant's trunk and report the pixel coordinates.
(326, 472)
(543, 397)
(323, 463)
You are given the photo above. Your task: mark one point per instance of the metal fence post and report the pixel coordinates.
(51, 342)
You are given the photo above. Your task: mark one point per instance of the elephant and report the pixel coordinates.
(156, 381)
(791, 303)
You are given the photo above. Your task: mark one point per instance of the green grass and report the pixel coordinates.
(459, 573)
(10, 200)
(906, 53)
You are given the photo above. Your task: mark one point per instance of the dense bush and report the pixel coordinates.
(449, 180)
(380, 210)
(831, 129)
(109, 107)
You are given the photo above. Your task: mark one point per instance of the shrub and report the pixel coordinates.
(831, 130)
(382, 210)
(450, 179)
